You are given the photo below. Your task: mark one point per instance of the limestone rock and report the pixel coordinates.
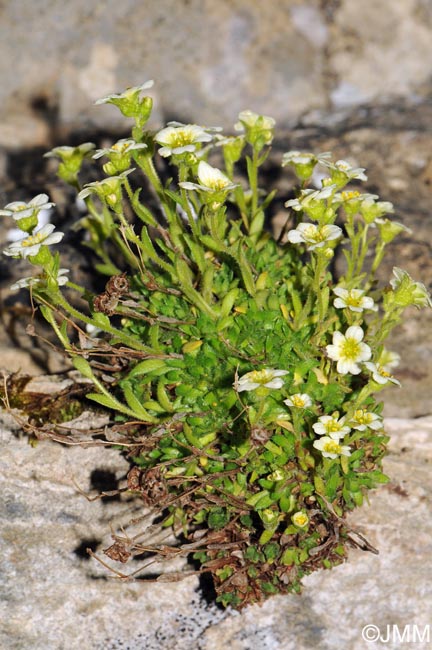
(52, 597)
(210, 60)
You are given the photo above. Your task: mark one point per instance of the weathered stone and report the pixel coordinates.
(54, 598)
(210, 60)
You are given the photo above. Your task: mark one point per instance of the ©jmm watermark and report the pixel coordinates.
(397, 633)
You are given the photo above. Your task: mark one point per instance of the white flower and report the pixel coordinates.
(300, 519)
(249, 119)
(372, 209)
(331, 426)
(344, 169)
(31, 244)
(67, 154)
(353, 299)
(266, 378)
(314, 236)
(308, 197)
(348, 350)
(349, 171)
(299, 401)
(331, 448)
(109, 188)
(388, 359)
(363, 419)
(181, 138)
(20, 210)
(25, 283)
(128, 93)
(211, 180)
(390, 229)
(304, 158)
(380, 375)
(120, 148)
(407, 291)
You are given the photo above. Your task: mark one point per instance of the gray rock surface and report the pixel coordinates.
(210, 59)
(352, 77)
(54, 599)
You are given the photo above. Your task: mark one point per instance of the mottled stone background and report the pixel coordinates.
(286, 58)
(350, 76)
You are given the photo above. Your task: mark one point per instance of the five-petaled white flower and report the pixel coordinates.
(266, 378)
(388, 359)
(371, 209)
(20, 210)
(210, 180)
(353, 299)
(331, 426)
(350, 171)
(127, 94)
(349, 350)
(309, 197)
(108, 188)
(299, 401)
(407, 291)
(31, 244)
(25, 283)
(364, 419)
(304, 158)
(300, 519)
(331, 448)
(120, 148)
(380, 375)
(314, 236)
(181, 138)
(249, 119)
(344, 169)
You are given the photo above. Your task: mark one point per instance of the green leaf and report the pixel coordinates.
(211, 244)
(147, 366)
(197, 253)
(228, 301)
(185, 278)
(245, 270)
(163, 398)
(135, 405)
(257, 223)
(148, 248)
(104, 400)
(83, 366)
(141, 210)
(101, 320)
(107, 269)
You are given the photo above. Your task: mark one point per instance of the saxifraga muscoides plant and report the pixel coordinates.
(249, 369)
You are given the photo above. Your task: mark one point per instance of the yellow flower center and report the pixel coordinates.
(350, 349)
(181, 138)
(354, 301)
(332, 447)
(333, 426)
(298, 401)
(383, 372)
(218, 184)
(260, 376)
(33, 240)
(300, 519)
(314, 234)
(353, 194)
(362, 417)
(120, 147)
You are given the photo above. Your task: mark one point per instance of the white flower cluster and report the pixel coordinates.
(331, 428)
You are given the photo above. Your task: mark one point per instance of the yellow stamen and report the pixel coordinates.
(350, 349)
(332, 447)
(33, 240)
